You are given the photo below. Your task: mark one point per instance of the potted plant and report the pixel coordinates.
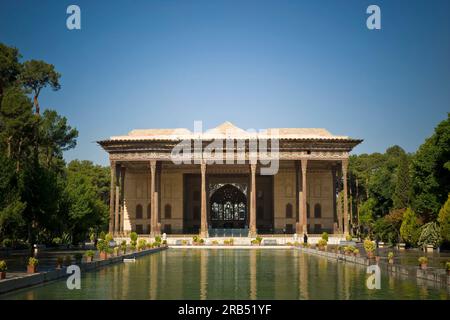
(142, 244)
(102, 247)
(256, 242)
(348, 237)
(32, 265)
(59, 262)
(356, 252)
(133, 240)
(3, 269)
(322, 244)
(123, 246)
(158, 241)
(447, 267)
(369, 246)
(214, 242)
(116, 251)
(423, 262)
(164, 242)
(390, 257)
(89, 255)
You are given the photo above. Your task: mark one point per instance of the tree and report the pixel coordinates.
(387, 228)
(11, 206)
(366, 214)
(402, 191)
(37, 75)
(85, 209)
(430, 235)
(409, 229)
(10, 66)
(55, 136)
(431, 172)
(18, 124)
(444, 220)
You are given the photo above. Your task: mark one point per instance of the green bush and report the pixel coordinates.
(133, 236)
(321, 243)
(447, 266)
(444, 220)
(102, 235)
(325, 236)
(3, 266)
(142, 244)
(390, 255)
(158, 239)
(109, 237)
(348, 237)
(102, 245)
(59, 260)
(409, 229)
(423, 260)
(7, 243)
(369, 245)
(259, 239)
(123, 246)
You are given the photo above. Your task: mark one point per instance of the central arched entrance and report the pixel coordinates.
(228, 208)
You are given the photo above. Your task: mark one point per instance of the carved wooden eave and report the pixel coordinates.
(290, 143)
(288, 150)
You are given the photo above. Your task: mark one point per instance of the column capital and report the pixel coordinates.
(203, 167)
(344, 165)
(304, 163)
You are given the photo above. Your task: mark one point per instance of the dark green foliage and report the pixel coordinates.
(36, 75)
(444, 220)
(10, 66)
(431, 172)
(409, 229)
(402, 192)
(41, 199)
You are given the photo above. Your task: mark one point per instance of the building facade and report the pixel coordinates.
(154, 192)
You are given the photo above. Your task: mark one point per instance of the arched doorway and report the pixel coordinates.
(228, 208)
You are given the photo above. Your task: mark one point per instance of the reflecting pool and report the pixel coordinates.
(232, 274)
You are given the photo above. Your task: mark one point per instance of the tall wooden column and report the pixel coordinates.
(252, 227)
(116, 210)
(298, 196)
(344, 174)
(153, 221)
(303, 200)
(112, 190)
(122, 199)
(203, 217)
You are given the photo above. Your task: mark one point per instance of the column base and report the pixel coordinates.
(203, 234)
(305, 229)
(252, 234)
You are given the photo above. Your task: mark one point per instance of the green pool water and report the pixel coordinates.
(232, 274)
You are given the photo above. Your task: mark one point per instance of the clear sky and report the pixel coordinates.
(258, 64)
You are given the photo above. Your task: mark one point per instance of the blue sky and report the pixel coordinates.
(258, 64)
